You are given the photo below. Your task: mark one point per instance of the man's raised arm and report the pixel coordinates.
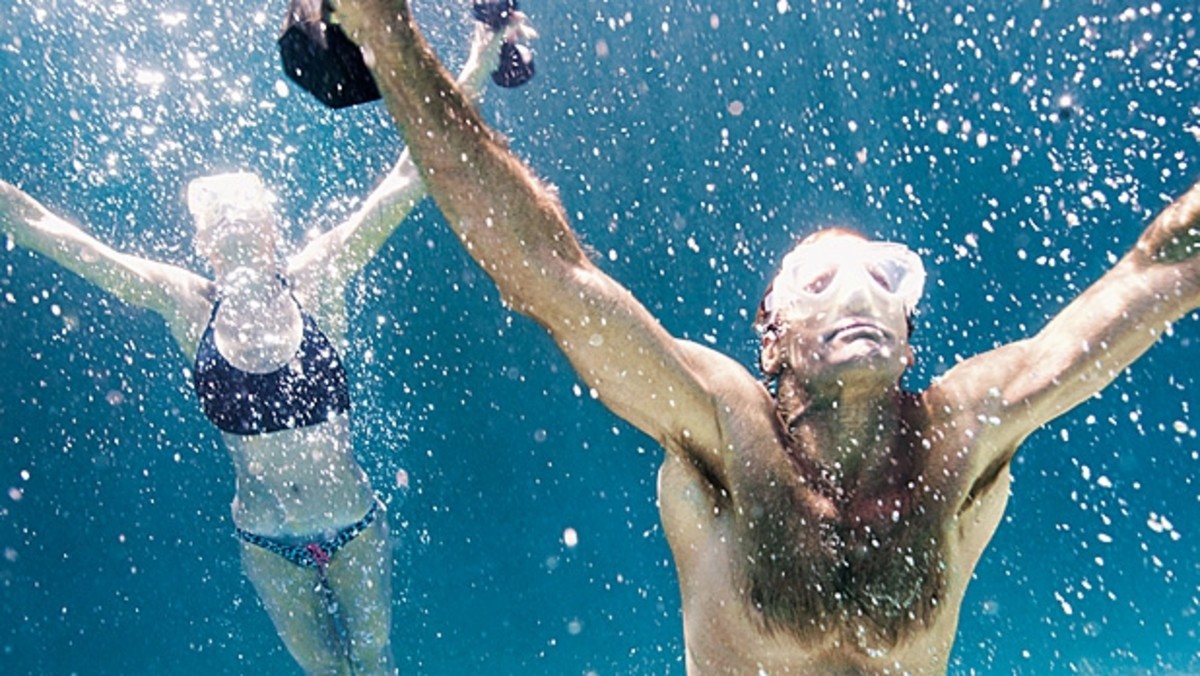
(516, 229)
(1022, 386)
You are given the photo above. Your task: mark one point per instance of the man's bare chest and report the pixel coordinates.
(872, 566)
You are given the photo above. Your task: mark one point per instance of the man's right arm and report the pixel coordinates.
(515, 228)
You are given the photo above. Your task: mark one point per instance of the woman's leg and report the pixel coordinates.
(361, 578)
(297, 605)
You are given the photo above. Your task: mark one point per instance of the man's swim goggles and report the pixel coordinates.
(817, 273)
(318, 56)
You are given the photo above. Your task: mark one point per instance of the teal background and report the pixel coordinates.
(691, 143)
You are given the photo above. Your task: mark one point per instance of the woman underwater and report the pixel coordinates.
(266, 335)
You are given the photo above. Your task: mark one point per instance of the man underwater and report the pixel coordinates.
(829, 522)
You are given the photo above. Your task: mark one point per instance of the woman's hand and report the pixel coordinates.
(11, 199)
(1174, 236)
(20, 214)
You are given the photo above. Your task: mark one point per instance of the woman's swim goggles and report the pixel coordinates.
(819, 271)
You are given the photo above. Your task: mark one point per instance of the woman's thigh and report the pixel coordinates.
(361, 578)
(298, 607)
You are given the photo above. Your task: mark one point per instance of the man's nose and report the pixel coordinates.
(855, 289)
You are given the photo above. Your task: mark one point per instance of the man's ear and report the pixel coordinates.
(770, 355)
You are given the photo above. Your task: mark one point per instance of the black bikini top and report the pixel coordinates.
(306, 391)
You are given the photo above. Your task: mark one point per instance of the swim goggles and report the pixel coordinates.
(824, 269)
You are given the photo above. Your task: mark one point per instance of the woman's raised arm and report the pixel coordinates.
(340, 253)
(168, 290)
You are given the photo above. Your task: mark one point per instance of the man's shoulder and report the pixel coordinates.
(740, 401)
(723, 374)
(736, 424)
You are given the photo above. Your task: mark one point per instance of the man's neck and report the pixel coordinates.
(849, 433)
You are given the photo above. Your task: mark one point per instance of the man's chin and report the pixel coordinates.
(866, 358)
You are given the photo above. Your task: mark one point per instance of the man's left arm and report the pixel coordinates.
(1011, 391)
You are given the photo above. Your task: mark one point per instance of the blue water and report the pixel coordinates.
(1018, 149)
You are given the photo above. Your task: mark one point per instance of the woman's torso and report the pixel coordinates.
(273, 382)
(298, 482)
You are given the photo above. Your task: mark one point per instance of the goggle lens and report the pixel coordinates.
(813, 270)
